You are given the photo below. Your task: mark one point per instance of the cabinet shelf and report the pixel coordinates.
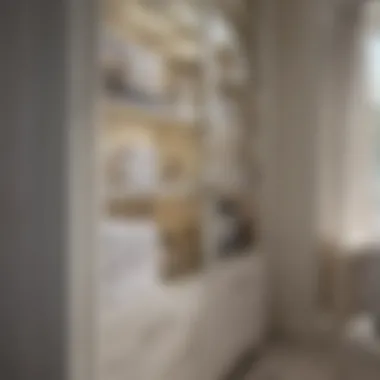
(163, 193)
(124, 110)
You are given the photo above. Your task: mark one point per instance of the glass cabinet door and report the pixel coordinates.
(152, 136)
(175, 129)
(228, 139)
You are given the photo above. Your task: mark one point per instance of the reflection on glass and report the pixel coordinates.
(152, 76)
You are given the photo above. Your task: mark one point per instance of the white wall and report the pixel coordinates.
(306, 107)
(347, 155)
(295, 53)
(318, 182)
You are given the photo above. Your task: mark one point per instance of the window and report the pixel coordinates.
(373, 77)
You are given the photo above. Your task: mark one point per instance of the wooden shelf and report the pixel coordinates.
(157, 33)
(120, 110)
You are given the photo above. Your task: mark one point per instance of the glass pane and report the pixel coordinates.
(152, 75)
(228, 136)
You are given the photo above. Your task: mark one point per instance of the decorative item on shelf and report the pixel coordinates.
(180, 230)
(178, 159)
(130, 208)
(236, 232)
(132, 72)
(227, 58)
(182, 249)
(172, 172)
(131, 169)
(183, 86)
(114, 169)
(114, 79)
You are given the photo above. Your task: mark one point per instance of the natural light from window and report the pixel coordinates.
(374, 88)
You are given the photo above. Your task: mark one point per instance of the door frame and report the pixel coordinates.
(84, 187)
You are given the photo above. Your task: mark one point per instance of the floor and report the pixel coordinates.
(160, 315)
(354, 356)
(283, 362)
